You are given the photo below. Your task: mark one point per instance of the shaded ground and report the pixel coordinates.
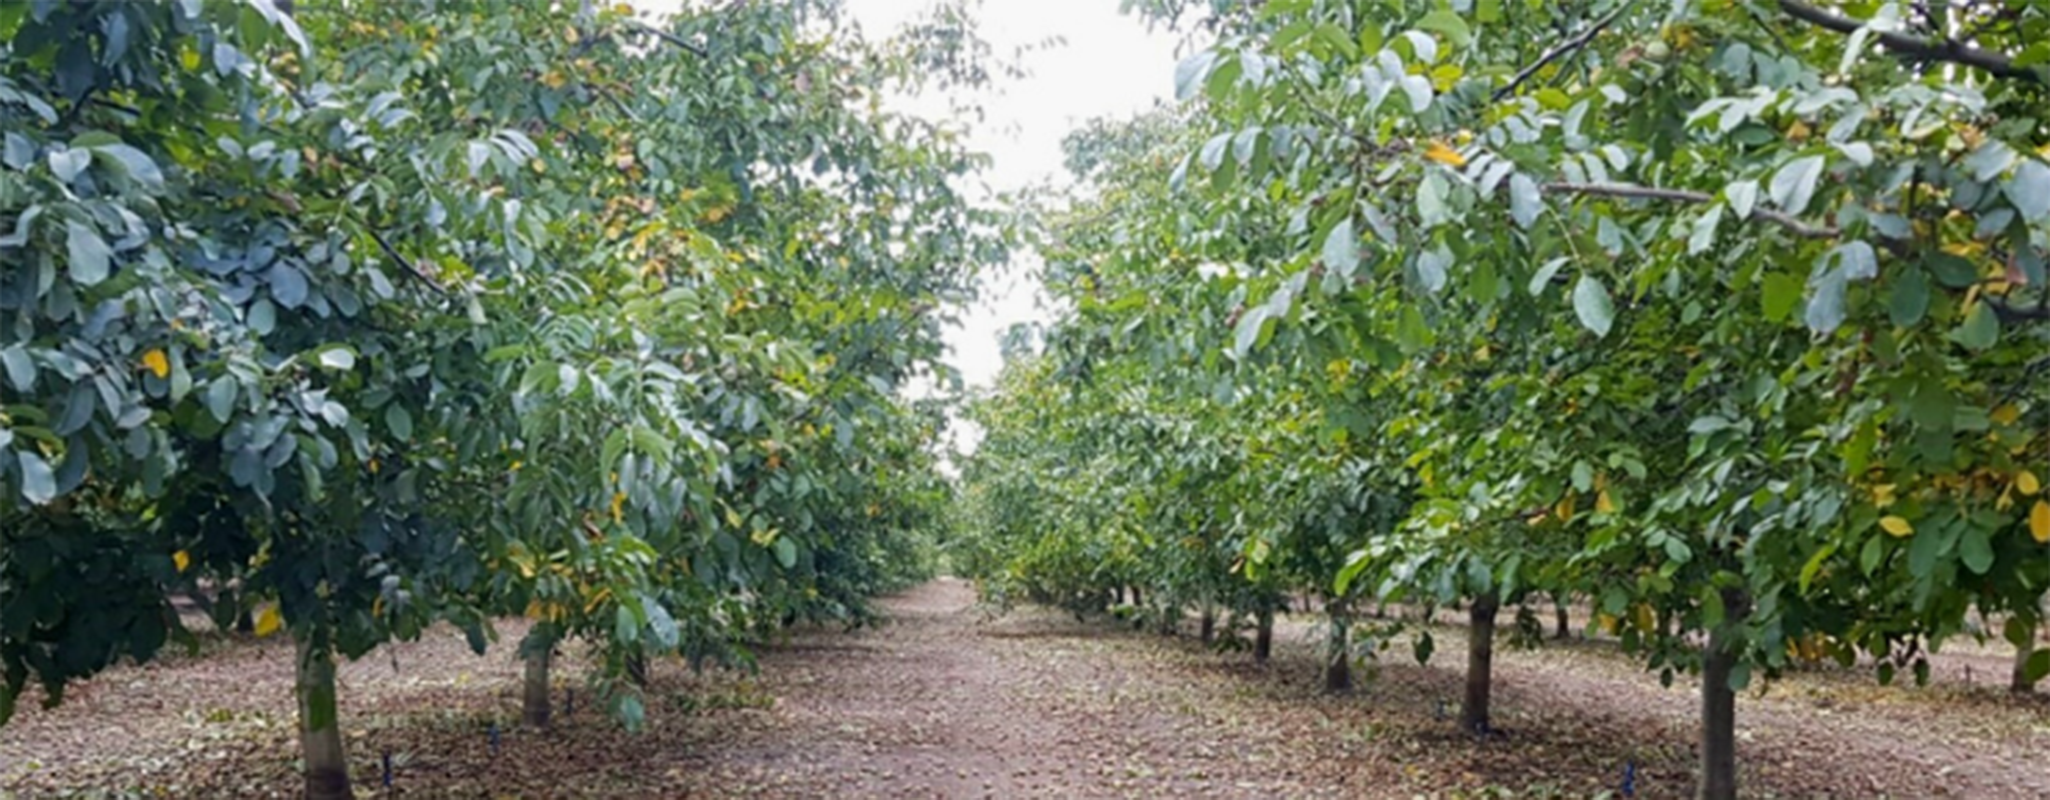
(945, 702)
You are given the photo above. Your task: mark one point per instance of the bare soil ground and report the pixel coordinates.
(947, 701)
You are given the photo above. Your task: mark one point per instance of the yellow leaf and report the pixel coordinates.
(1444, 154)
(1897, 526)
(189, 59)
(618, 507)
(268, 621)
(1882, 495)
(2006, 414)
(1565, 508)
(2026, 483)
(2039, 522)
(1602, 503)
(157, 363)
(182, 559)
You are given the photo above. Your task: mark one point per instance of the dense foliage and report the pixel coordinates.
(352, 318)
(1727, 317)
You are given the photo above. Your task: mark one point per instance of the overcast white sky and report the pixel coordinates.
(1110, 65)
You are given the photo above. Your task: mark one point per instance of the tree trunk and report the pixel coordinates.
(320, 729)
(1561, 626)
(1719, 706)
(1137, 599)
(535, 703)
(1338, 664)
(1480, 663)
(1209, 624)
(1263, 639)
(2018, 681)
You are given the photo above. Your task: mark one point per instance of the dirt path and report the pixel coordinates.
(946, 702)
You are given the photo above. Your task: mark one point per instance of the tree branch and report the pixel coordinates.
(1578, 41)
(410, 268)
(2012, 314)
(1939, 49)
(671, 38)
(1633, 192)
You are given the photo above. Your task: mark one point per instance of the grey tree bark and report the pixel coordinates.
(1480, 663)
(320, 730)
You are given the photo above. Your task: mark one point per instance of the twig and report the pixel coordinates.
(1634, 192)
(1937, 49)
(412, 269)
(671, 38)
(1578, 41)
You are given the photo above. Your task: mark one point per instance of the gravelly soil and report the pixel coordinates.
(946, 701)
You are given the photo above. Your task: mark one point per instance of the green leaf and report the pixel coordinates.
(338, 358)
(1793, 186)
(1740, 676)
(1814, 565)
(1524, 200)
(1870, 555)
(1248, 332)
(625, 628)
(786, 552)
(288, 285)
(1448, 22)
(1703, 236)
(1992, 158)
(661, 625)
(399, 421)
(1591, 303)
(2037, 668)
(632, 714)
(1782, 292)
(220, 397)
(1544, 276)
(89, 254)
(1189, 74)
(1910, 299)
(1980, 330)
(2029, 190)
(1975, 548)
(1952, 270)
(1342, 249)
(1742, 196)
(135, 163)
(38, 482)
(1826, 305)
(21, 370)
(2017, 632)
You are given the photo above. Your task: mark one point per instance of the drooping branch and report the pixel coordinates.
(1577, 42)
(1628, 191)
(1908, 46)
